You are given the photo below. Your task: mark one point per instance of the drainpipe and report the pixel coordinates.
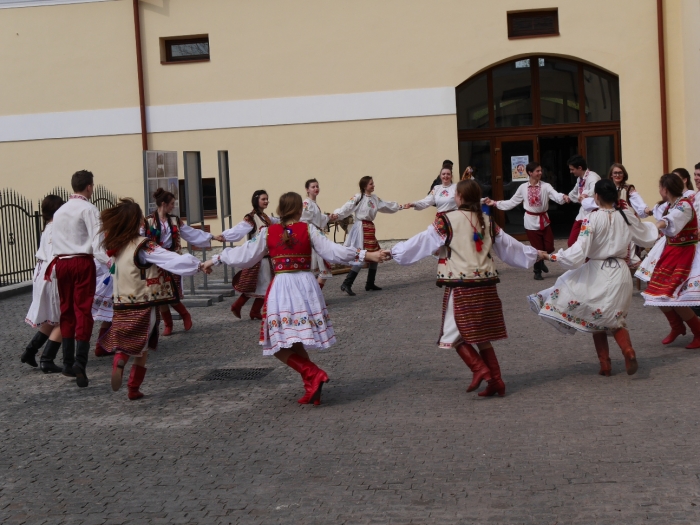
(662, 80)
(139, 65)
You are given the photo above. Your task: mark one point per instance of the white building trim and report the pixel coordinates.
(231, 114)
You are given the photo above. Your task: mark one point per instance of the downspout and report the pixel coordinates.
(139, 65)
(662, 81)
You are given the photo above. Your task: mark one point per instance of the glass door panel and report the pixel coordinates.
(600, 153)
(554, 154)
(477, 154)
(514, 156)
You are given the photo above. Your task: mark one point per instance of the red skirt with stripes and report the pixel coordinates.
(478, 313)
(129, 332)
(370, 242)
(672, 270)
(248, 281)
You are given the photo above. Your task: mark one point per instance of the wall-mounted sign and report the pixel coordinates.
(517, 167)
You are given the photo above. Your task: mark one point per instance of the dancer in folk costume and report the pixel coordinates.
(441, 196)
(142, 283)
(254, 281)
(102, 305)
(312, 215)
(45, 311)
(168, 231)
(365, 206)
(76, 241)
(585, 182)
(675, 282)
(471, 309)
(295, 315)
(646, 268)
(595, 294)
(535, 197)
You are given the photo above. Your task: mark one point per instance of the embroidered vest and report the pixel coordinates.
(153, 232)
(139, 286)
(460, 263)
(289, 257)
(689, 234)
(259, 221)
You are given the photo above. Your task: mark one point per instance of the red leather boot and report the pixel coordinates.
(186, 317)
(677, 327)
(236, 307)
(118, 365)
(600, 340)
(135, 379)
(473, 360)
(256, 309)
(694, 325)
(312, 376)
(496, 384)
(99, 349)
(167, 322)
(622, 336)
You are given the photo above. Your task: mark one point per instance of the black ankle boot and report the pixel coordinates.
(370, 287)
(347, 283)
(82, 349)
(68, 357)
(538, 276)
(46, 363)
(28, 356)
(544, 267)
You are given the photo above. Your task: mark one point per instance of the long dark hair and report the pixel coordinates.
(607, 192)
(255, 200)
(163, 196)
(49, 206)
(470, 193)
(364, 181)
(685, 175)
(120, 224)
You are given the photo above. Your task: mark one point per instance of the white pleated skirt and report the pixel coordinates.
(46, 305)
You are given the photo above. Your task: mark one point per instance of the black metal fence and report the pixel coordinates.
(21, 227)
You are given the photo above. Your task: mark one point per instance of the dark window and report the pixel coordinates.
(185, 49)
(477, 154)
(473, 104)
(543, 22)
(208, 196)
(512, 101)
(602, 96)
(558, 91)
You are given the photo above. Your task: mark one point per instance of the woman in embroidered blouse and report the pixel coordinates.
(134, 328)
(252, 282)
(471, 309)
(295, 315)
(168, 231)
(312, 215)
(441, 196)
(365, 206)
(595, 294)
(675, 282)
(45, 311)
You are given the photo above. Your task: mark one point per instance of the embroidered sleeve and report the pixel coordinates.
(441, 226)
(249, 219)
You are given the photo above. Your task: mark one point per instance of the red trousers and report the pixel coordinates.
(76, 289)
(575, 230)
(541, 239)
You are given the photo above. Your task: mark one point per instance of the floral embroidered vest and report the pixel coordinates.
(294, 256)
(689, 234)
(139, 286)
(460, 262)
(153, 230)
(258, 221)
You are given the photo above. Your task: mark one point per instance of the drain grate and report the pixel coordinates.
(236, 374)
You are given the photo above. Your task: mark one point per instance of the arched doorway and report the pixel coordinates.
(542, 108)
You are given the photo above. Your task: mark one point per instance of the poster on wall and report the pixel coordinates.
(517, 167)
(160, 171)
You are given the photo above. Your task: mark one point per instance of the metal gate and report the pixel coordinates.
(20, 233)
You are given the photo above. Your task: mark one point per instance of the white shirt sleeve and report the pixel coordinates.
(246, 255)
(513, 252)
(677, 218)
(332, 252)
(576, 254)
(589, 204)
(425, 202)
(553, 195)
(638, 203)
(346, 209)
(417, 247)
(91, 216)
(184, 265)
(658, 210)
(516, 199)
(388, 207)
(239, 231)
(644, 234)
(195, 236)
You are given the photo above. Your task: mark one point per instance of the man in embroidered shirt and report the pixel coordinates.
(76, 240)
(535, 197)
(585, 182)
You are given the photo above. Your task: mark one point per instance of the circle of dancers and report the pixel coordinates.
(125, 270)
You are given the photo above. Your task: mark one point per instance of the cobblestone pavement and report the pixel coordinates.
(397, 439)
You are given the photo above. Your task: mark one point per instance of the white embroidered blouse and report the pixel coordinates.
(312, 214)
(442, 197)
(584, 188)
(366, 208)
(535, 199)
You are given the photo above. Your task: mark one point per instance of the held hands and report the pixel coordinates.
(489, 202)
(219, 238)
(206, 267)
(647, 211)
(567, 200)
(542, 256)
(407, 206)
(333, 217)
(374, 257)
(386, 255)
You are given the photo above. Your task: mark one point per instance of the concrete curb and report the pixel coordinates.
(15, 289)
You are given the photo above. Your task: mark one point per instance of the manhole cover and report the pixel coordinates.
(236, 374)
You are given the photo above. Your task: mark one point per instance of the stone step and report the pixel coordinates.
(197, 303)
(215, 297)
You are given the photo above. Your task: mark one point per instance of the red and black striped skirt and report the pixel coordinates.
(248, 281)
(129, 332)
(478, 313)
(672, 270)
(369, 238)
